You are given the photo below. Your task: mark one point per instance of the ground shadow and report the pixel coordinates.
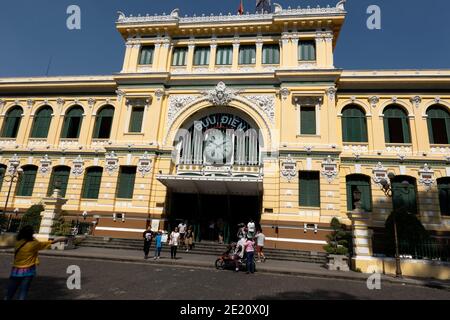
(44, 288)
(313, 295)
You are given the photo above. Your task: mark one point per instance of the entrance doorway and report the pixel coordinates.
(211, 215)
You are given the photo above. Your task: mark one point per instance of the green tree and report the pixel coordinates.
(32, 217)
(61, 227)
(339, 239)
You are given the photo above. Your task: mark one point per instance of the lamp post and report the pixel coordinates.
(387, 189)
(12, 176)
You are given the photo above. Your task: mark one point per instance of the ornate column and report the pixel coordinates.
(235, 64)
(190, 56)
(212, 55)
(53, 207)
(259, 53)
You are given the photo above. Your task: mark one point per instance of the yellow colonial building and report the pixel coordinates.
(222, 119)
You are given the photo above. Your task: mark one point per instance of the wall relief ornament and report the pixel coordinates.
(112, 162)
(329, 169)
(374, 101)
(46, 165)
(30, 103)
(289, 168)
(91, 102)
(266, 104)
(159, 94)
(221, 95)
(13, 164)
(379, 174)
(284, 92)
(177, 104)
(78, 166)
(145, 164)
(416, 101)
(426, 176)
(331, 92)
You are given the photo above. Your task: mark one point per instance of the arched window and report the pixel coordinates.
(12, 122)
(2, 174)
(438, 125)
(92, 181)
(354, 125)
(59, 179)
(103, 123)
(396, 125)
(41, 123)
(444, 195)
(72, 123)
(404, 194)
(26, 181)
(362, 183)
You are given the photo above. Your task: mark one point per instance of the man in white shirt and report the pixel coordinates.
(251, 229)
(182, 227)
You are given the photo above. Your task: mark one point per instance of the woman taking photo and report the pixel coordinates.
(25, 262)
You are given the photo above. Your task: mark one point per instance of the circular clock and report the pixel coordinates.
(218, 148)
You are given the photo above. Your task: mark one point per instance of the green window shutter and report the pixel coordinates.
(309, 192)
(308, 120)
(224, 55)
(137, 116)
(387, 136)
(363, 184)
(179, 56)
(396, 126)
(438, 125)
(92, 182)
(103, 123)
(2, 175)
(60, 177)
(72, 123)
(271, 54)
(12, 123)
(125, 184)
(201, 56)
(146, 56)
(41, 124)
(307, 51)
(26, 181)
(444, 196)
(247, 55)
(354, 125)
(404, 198)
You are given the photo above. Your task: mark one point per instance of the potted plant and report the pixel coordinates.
(337, 247)
(63, 228)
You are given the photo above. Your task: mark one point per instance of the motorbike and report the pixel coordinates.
(225, 262)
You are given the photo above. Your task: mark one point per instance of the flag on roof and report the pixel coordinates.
(241, 8)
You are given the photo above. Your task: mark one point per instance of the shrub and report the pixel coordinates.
(338, 239)
(61, 227)
(32, 217)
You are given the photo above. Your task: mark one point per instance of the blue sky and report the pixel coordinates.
(415, 34)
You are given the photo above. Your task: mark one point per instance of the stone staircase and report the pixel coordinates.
(206, 248)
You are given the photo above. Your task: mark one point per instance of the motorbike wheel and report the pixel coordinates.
(220, 264)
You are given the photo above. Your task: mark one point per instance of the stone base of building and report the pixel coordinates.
(410, 267)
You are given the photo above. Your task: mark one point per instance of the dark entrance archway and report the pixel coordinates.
(224, 212)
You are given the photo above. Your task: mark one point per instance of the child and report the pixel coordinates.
(158, 241)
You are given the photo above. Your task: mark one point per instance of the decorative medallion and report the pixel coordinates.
(374, 101)
(159, 94)
(46, 164)
(266, 103)
(13, 164)
(426, 176)
(289, 168)
(284, 92)
(112, 162)
(30, 103)
(120, 95)
(331, 92)
(329, 169)
(145, 164)
(60, 102)
(380, 173)
(416, 101)
(91, 102)
(220, 95)
(78, 166)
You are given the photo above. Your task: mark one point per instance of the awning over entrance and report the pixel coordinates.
(245, 186)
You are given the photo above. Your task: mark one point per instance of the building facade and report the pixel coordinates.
(229, 118)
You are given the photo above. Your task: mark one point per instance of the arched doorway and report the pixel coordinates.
(218, 178)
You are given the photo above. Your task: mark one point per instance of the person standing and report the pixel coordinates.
(251, 228)
(260, 238)
(25, 262)
(158, 243)
(250, 251)
(173, 242)
(189, 239)
(182, 227)
(148, 236)
(239, 251)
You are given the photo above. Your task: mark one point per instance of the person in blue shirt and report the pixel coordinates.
(158, 241)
